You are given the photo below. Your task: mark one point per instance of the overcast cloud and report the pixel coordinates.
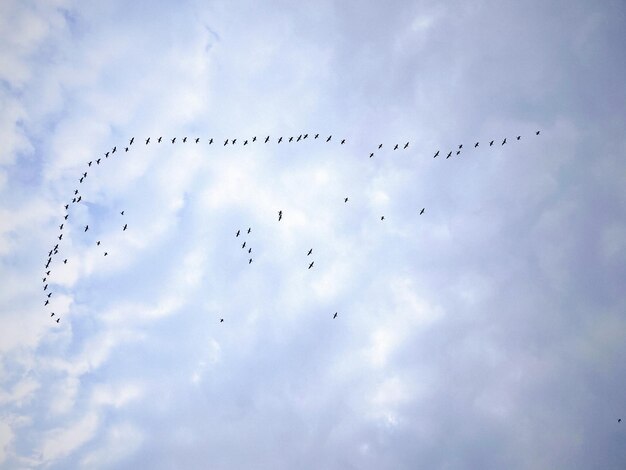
(488, 332)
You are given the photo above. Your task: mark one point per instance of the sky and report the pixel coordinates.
(488, 332)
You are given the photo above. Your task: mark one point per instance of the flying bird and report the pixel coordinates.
(504, 141)
(490, 143)
(184, 140)
(237, 233)
(243, 246)
(106, 155)
(310, 251)
(249, 250)
(79, 198)
(290, 139)
(267, 138)
(47, 302)
(197, 139)
(245, 142)
(67, 206)
(98, 161)
(448, 156)
(49, 294)
(537, 133)
(76, 191)
(311, 265)
(335, 315)
(98, 243)
(66, 216)
(60, 236)
(225, 142)
(422, 211)
(125, 226)
(221, 320)
(371, 154)
(280, 140)
(406, 145)
(476, 145)
(131, 141)
(234, 140)
(159, 139)
(396, 147)
(80, 180)
(147, 140)
(280, 215)
(48, 273)
(105, 253)
(382, 217)
(44, 279)
(250, 261)
(52, 314)
(114, 149)
(89, 164)
(519, 137)
(305, 136)
(461, 146)
(254, 139)
(60, 228)
(380, 146)
(86, 227)
(329, 137)
(619, 420)
(122, 212)
(435, 156)
(343, 141)
(345, 200)
(316, 136)
(210, 140)
(458, 151)
(85, 174)
(174, 140)
(249, 229)
(58, 320)
(299, 137)
(126, 149)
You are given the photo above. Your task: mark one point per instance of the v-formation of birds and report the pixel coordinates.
(77, 197)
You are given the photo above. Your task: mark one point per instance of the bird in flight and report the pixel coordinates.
(329, 137)
(299, 137)
(86, 227)
(131, 141)
(61, 237)
(422, 211)
(537, 133)
(267, 139)
(49, 294)
(476, 145)
(105, 253)
(237, 234)
(249, 229)
(210, 140)
(380, 146)
(47, 302)
(371, 154)
(305, 136)
(448, 156)
(458, 151)
(184, 140)
(61, 227)
(519, 137)
(343, 141)
(89, 164)
(80, 180)
(396, 147)
(382, 217)
(345, 200)
(125, 226)
(66, 216)
(335, 315)
(147, 140)
(280, 215)
(159, 139)
(490, 143)
(435, 156)
(310, 251)
(290, 139)
(98, 243)
(249, 250)
(75, 191)
(221, 320)
(316, 136)
(245, 142)
(197, 139)
(504, 141)
(461, 146)
(619, 420)
(250, 261)
(254, 139)
(126, 149)
(48, 273)
(234, 140)
(280, 140)
(67, 206)
(406, 145)
(174, 140)
(52, 314)
(311, 265)
(98, 161)
(114, 149)
(79, 198)
(243, 246)
(45, 287)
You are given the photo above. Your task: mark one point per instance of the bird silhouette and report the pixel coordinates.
(406, 145)
(234, 141)
(316, 136)
(98, 243)
(61, 237)
(310, 251)
(249, 229)
(147, 140)
(105, 253)
(98, 161)
(89, 164)
(67, 206)
(382, 217)
(335, 315)
(461, 146)
(519, 137)
(75, 191)
(345, 200)
(184, 140)
(250, 261)
(44, 279)
(86, 227)
(47, 302)
(280, 140)
(254, 139)
(476, 145)
(60, 228)
(290, 139)
(122, 212)
(58, 320)
(504, 141)
(280, 215)
(159, 139)
(448, 156)
(396, 147)
(125, 227)
(249, 250)
(126, 149)
(329, 137)
(114, 149)
(197, 139)
(267, 139)
(80, 180)
(221, 320)
(174, 140)
(619, 420)
(380, 146)
(225, 142)
(422, 211)
(66, 216)
(490, 143)
(49, 294)
(299, 137)
(106, 155)
(85, 175)
(305, 136)
(435, 156)
(243, 246)
(311, 265)
(79, 198)
(343, 141)
(210, 140)
(537, 133)
(237, 234)
(52, 314)
(458, 151)
(47, 273)
(131, 141)
(245, 142)
(371, 154)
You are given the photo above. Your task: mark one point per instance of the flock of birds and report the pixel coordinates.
(77, 197)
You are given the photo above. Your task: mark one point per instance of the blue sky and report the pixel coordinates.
(486, 333)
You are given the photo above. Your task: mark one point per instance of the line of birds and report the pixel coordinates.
(77, 198)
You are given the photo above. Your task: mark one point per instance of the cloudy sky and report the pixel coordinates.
(488, 332)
